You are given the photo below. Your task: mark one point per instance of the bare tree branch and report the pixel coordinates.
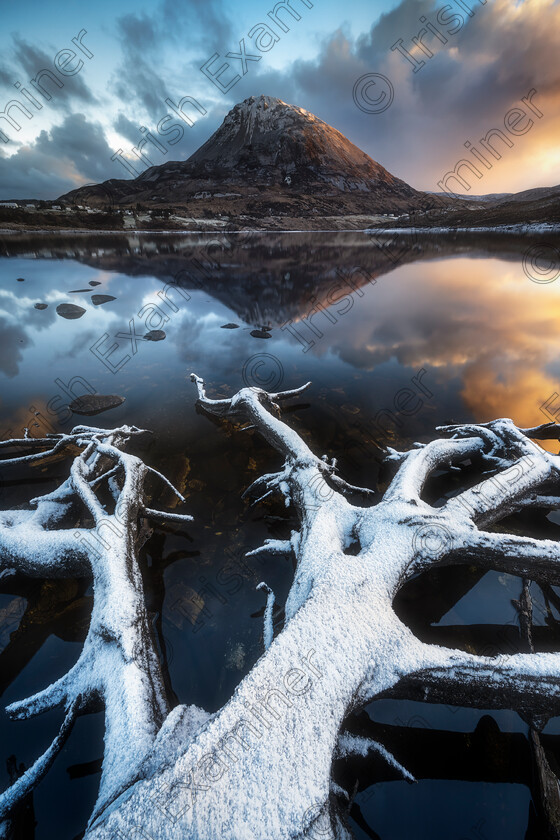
(265, 758)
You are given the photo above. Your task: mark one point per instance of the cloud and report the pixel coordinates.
(19, 308)
(149, 43)
(72, 153)
(136, 81)
(81, 342)
(209, 21)
(464, 90)
(28, 61)
(14, 340)
(126, 128)
(476, 323)
(6, 76)
(494, 59)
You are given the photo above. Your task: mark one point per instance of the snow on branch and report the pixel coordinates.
(264, 760)
(118, 663)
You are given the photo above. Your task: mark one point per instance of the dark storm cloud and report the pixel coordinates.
(151, 42)
(136, 81)
(146, 42)
(80, 141)
(6, 76)
(126, 128)
(71, 153)
(28, 61)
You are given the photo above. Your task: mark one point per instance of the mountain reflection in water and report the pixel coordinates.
(398, 335)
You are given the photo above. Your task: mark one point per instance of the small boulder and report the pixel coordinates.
(97, 300)
(70, 311)
(155, 335)
(91, 404)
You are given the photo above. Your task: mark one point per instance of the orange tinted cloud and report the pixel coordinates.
(480, 320)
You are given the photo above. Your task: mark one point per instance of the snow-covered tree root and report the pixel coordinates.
(102, 505)
(261, 766)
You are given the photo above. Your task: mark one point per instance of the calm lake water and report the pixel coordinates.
(466, 324)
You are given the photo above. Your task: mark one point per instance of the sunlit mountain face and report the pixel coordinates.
(268, 158)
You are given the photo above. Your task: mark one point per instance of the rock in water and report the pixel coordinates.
(94, 283)
(229, 327)
(260, 334)
(41, 305)
(97, 300)
(91, 404)
(155, 335)
(70, 311)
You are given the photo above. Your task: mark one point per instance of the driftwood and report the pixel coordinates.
(262, 765)
(118, 664)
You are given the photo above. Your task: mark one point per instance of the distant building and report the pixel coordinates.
(9, 204)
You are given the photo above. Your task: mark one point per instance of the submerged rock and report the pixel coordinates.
(155, 335)
(21, 280)
(70, 311)
(97, 300)
(94, 283)
(91, 404)
(79, 291)
(41, 305)
(229, 327)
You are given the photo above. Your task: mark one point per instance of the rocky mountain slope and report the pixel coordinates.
(266, 158)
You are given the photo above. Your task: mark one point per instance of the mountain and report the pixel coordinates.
(489, 197)
(266, 158)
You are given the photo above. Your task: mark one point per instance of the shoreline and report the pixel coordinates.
(499, 229)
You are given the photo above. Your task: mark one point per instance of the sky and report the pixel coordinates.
(412, 106)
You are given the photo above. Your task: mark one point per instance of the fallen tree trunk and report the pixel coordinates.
(261, 766)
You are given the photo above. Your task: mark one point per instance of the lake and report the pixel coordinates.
(398, 334)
